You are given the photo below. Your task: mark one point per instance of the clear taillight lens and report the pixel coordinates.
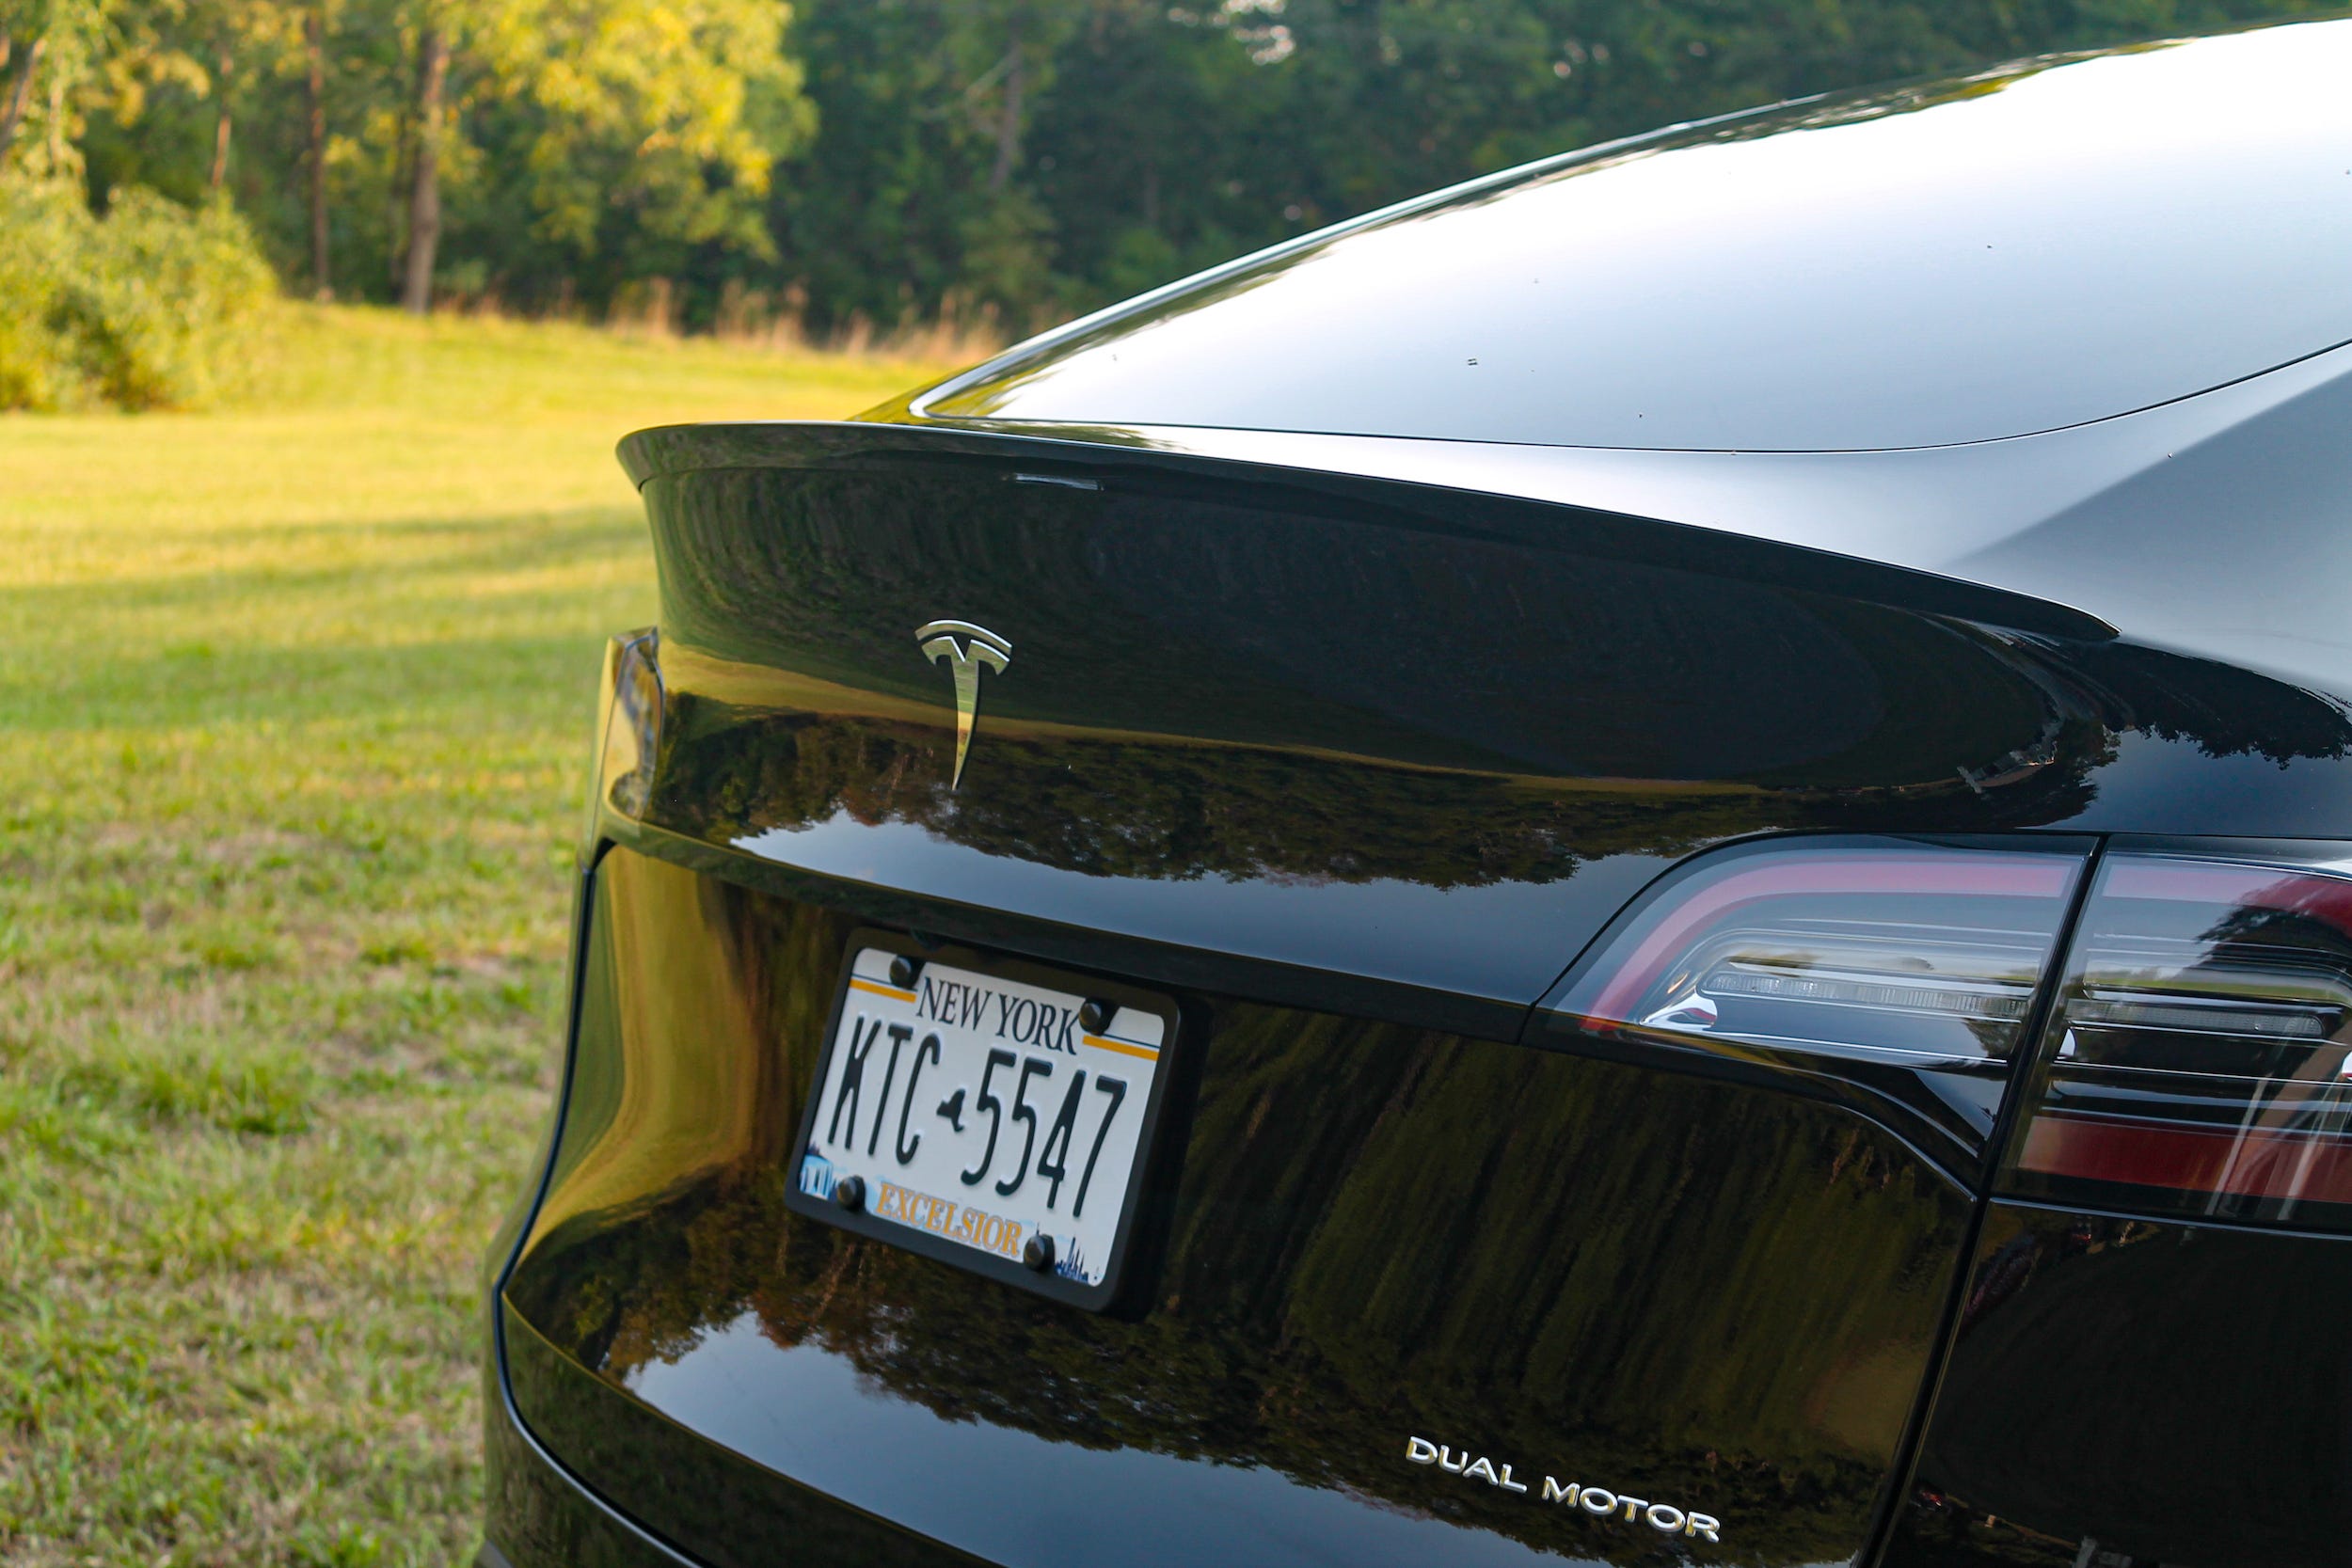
(2203, 1062)
(1912, 953)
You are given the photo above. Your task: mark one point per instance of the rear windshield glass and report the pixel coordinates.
(2013, 252)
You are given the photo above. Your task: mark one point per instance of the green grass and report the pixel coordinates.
(294, 709)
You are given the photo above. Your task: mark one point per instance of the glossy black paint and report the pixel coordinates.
(2031, 247)
(2218, 526)
(1353, 741)
(1208, 769)
(539, 1514)
(1420, 709)
(645, 1464)
(2174, 1393)
(1350, 1257)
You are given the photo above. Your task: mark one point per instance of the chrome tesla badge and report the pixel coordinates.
(965, 647)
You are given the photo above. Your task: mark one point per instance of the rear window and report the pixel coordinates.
(2015, 252)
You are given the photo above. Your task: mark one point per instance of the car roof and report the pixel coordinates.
(2024, 249)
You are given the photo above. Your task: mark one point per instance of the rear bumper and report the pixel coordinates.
(721, 1511)
(540, 1517)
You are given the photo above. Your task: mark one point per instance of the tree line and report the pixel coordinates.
(888, 161)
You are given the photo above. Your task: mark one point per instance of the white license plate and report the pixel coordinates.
(969, 1112)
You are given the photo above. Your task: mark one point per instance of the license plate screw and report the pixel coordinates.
(903, 969)
(849, 1192)
(1096, 1015)
(1037, 1252)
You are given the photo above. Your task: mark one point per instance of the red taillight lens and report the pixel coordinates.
(2203, 1035)
(1902, 970)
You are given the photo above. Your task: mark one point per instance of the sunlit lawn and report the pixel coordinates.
(293, 702)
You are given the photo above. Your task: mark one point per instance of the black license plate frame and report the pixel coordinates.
(890, 1218)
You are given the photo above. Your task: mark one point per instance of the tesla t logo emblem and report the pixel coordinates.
(965, 647)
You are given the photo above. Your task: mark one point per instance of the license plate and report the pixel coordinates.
(990, 1113)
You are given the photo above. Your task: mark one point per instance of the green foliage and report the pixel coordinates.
(55, 51)
(645, 127)
(892, 161)
(151, 307)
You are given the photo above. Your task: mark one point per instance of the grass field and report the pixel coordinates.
(294, 701)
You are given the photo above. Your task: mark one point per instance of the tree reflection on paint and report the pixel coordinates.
(1378, 1230)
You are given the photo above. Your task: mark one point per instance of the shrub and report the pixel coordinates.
(153, 305)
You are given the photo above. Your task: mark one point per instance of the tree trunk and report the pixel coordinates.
(1009, 122)
(315, 43)
(424, 191)
(221, 123)
(22, 94)
(396, 201)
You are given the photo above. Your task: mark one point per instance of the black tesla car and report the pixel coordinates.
(1650, 861)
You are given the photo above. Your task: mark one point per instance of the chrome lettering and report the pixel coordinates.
(1599, 1501)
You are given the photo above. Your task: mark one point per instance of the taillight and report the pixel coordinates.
(1896, 962)
(2202, 1055)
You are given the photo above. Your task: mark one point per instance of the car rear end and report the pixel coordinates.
(1139, 1007)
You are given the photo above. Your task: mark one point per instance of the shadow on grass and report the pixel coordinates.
(373, 668)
